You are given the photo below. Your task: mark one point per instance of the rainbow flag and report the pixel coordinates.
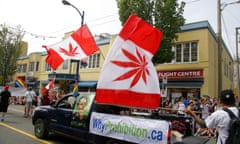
(75, 89)
(20, 83)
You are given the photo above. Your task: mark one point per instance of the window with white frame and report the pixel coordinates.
(93, 61)
(47, 67)
(31, 67)
(186, 52)
(22, 68)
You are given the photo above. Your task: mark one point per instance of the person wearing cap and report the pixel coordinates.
(5, 101)
(220, 118)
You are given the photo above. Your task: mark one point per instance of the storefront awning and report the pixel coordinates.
(87, 84)
(184, 83)
(30, 83)
(44, 82)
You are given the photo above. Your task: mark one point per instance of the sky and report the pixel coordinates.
(45, 21)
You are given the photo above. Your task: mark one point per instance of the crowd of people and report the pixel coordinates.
(46, 97)
(204, 105)
(208, 113)
(31, 99)
(219, 120)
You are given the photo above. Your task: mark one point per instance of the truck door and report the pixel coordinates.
(62, 115)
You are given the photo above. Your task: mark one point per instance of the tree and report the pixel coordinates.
(10, 47)
(166, 15)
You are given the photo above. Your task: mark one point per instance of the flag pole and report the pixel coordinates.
(82, 20)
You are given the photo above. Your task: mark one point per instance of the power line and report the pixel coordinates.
(233, 17)
(192, 1)
(75, 25)
(227, 35)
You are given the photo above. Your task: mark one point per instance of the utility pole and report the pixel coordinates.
(220, 8)
(237, 60)
(219, 47)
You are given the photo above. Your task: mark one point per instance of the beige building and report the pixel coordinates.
(193, 71)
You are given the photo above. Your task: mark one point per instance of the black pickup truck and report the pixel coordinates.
(81, 119)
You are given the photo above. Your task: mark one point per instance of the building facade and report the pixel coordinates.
(193, 71)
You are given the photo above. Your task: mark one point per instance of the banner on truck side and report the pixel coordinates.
(138, 130)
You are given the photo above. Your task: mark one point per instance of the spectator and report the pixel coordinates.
(45, 98)
(30, 96)
(4, 101)
(219, 119)
(205, 108)
(181, 107)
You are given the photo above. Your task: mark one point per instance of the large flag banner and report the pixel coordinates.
(79, 45)
(128, 77)
(20, 83)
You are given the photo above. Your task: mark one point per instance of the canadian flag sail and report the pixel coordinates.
(79, 45)
(128, 77)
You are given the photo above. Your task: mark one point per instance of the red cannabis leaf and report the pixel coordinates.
(138, 65)
(71, 52)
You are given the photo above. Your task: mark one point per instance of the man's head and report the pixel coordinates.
(6, 87)
(227, 97)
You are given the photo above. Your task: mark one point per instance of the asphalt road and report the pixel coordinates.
(17, 129)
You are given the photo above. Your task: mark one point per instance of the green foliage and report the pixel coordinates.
(166, 15)
(10, 39)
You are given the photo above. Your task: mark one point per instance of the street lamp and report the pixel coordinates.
(220, 8)
(82, 20)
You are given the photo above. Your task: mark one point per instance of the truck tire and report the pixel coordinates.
(40, 129)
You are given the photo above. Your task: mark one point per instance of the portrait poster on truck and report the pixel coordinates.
(138, 130)
(81, 109)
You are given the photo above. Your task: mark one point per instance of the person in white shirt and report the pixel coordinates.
(181, 107)
(219, 119)
(205, 108)
(30, 96)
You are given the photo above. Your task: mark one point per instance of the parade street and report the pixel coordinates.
(17, 129)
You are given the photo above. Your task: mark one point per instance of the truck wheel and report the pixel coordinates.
(40, 129)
